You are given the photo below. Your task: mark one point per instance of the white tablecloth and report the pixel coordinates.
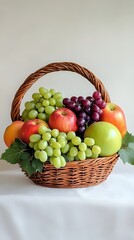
(30, 212)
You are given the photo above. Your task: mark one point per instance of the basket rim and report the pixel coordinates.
(104, 159)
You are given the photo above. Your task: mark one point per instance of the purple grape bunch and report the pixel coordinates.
(87, 110)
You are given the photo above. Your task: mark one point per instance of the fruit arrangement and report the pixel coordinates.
(58, 129)
(55, 130)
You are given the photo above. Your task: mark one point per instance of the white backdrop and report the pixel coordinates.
(98, 35)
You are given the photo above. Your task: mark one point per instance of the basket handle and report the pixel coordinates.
(54, 67)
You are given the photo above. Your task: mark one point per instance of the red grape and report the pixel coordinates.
(85, 103)
(100, 111)
(80, 122)
(87, 119)
(81, 130)
(95, 108)
(95, 116)
(74, 99)
(77, 108)
(96, 95)
(71, 105)
(98, 102)
(91, 99)
(66, 101)
(82, 115)
(87, 110)
(80, 98)
(103, 104)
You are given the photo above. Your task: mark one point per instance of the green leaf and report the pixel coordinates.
(37, 164)
(127, 154)
(14, 152)
(127, 150)
(19, 152)
(26, 165)
(24, 156)
(127, 139)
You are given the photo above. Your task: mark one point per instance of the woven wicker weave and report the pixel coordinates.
(75, 174)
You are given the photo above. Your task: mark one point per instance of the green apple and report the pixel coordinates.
(106, 136)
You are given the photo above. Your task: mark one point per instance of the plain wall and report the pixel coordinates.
(98, 35)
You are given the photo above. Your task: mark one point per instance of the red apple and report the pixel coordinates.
(30, 127)
(64, 120)
(112, 113)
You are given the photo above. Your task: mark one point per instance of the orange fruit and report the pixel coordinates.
(12, 132)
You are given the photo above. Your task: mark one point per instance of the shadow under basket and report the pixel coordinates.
(75, 174)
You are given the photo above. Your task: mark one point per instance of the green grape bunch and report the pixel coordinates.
(59, 147)
(43, 103)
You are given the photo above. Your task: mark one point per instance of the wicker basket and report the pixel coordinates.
(75, 174)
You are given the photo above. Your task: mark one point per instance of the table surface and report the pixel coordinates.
(105, 211)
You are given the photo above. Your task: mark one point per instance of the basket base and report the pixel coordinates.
(77, 174)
